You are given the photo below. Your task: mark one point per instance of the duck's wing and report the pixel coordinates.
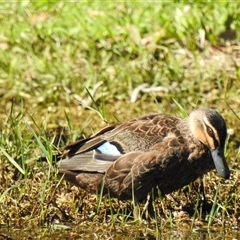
(85, 145)
(93, 154)
(142, 171)
(98, 152)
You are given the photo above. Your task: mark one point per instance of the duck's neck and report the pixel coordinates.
(184, 127)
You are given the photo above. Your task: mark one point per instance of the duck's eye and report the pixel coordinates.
(210, 132)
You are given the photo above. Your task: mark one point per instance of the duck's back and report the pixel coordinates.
(152, 151)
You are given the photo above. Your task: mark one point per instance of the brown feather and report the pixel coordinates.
(155, 150)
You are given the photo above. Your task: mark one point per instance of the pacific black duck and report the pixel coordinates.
(152, 151)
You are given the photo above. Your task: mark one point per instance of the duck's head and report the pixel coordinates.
(209, 127)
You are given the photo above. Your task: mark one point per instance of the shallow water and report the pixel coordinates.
(80, 233)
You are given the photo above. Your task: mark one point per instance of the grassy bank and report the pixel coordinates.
(68, 69)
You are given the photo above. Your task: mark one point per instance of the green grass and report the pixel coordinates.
(67, 69)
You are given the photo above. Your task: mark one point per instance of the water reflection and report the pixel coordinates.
(83, 233)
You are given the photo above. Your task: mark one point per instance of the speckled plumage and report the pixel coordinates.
(152, 151)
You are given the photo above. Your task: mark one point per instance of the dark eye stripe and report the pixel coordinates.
(212, 135)
(210, 132)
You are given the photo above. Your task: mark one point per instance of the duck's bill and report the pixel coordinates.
(220, 163)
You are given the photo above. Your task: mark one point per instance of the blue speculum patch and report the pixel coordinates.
(109, 149)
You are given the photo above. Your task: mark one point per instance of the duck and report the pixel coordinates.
(154, 151)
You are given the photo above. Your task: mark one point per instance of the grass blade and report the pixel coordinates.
(12, 161)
